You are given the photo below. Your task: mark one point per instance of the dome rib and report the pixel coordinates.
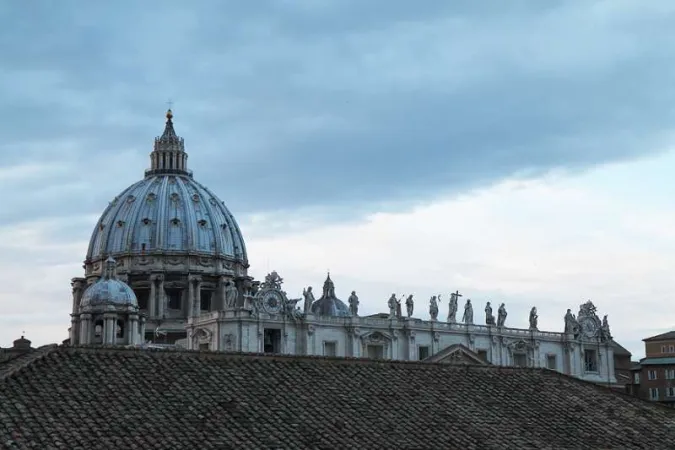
(131, 232)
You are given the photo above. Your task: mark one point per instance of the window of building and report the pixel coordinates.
(520, 359)
(174, 297)
(143, 297)
(663, 349)
(204, 346)
(272, 340)
(671, 348)
(98, 331)
(119, 329)
(670, 374)
(329, 348)
(375, 351)
(653, 393)
(670, 392)
(551, 362)
(590, 360)
(423, 352)
(651, 374)
(636, 378)
(482, 354)
(205, 300)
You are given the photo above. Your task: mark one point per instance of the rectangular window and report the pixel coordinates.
(329, 348)
(272, 341)
(375, 351)
(590, 361)
(551, 362)
(651, 374)
(636, 378)
(143, 297)
(663, 349)
(671, 348)
(205, 300)
(423, 352)
(670, 392)
(653, 393)
(670, 374)
(174, 297)
(520, 359)
(482, 354)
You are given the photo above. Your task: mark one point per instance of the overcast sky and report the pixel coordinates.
(516, 151)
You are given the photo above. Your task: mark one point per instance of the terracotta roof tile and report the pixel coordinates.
(86, 398)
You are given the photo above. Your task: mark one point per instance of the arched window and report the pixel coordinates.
(119, 330)
(98, 331)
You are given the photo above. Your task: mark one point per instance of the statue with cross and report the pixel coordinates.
(452, 307)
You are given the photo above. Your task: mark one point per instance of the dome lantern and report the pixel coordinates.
(168, 155)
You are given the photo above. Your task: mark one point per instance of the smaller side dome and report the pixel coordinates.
(108, 290)
(329, 304)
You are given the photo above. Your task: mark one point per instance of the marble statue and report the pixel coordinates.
(501, 315)
(354, 304)
(409, 304)
(433, 308)
(231, 294)
(452, 307)
(392, 302)
(604, 329)
(467, 318)
(534, 318)
(273, 280)
(571, 324)
(489, 317)
(309, 299)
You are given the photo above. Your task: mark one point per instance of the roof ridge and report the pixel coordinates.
(16, 365)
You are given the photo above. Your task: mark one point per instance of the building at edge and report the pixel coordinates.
(167, 265)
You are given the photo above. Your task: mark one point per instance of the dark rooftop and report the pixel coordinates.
(115, 398)
(670, 335)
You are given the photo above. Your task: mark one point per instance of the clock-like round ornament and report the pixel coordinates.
(272, 301)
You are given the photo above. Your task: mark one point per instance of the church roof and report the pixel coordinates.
(168, 211)
(112, 398)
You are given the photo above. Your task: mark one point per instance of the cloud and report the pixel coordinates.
(353, 114)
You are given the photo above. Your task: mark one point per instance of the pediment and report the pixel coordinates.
(376, 337)
(457, 354)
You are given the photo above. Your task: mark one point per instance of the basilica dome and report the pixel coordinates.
(167, 212)
(108, 290)
(329, 304)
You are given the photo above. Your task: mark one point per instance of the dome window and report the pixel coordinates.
(146, 221)
(195, 198)
(120, 223)
(131, 199)
(175, 197)
(213, 201)
(202, 223)
(151, 197)
(223, 226)
(101, 226)
(175, 221)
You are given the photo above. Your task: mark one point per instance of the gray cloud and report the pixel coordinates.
(295, 105)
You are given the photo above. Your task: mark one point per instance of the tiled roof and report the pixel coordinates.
(661, 337)
(112, 398)
(620, 349)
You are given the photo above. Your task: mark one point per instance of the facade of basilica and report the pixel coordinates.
(167, 265)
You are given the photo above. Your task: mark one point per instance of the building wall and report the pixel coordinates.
(658, 349)
(398, 338)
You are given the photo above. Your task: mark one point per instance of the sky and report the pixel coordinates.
(518, 152)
